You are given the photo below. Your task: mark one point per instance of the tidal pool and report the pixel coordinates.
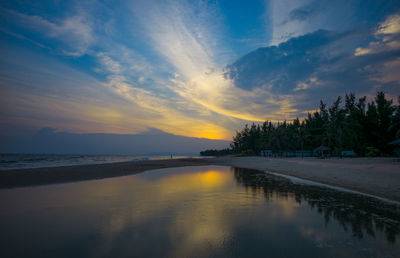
(209, 211)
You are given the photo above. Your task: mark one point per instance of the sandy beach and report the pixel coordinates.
(378, 176)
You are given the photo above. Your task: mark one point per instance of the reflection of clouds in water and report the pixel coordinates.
(286, 208)
(317, 236)
(203, 211)
(191, 200)
(197, 220)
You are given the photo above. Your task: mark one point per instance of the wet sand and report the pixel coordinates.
(379, 176)
(54, 175)
(374, 176)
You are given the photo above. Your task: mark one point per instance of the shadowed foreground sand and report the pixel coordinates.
(380, 177)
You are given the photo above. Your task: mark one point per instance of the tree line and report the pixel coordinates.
(217, 153)
(352, 124)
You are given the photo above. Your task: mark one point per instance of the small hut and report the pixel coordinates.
(348, 154)
(322, 151)
(266, 153)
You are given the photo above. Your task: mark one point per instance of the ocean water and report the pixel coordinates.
(205, 211)
(21, 161)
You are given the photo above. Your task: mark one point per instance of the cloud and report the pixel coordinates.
(19, 36)
(307, 84)
(50, 140)
(182, 34)
(299, 17)
(162, 64)
(187, 38)
(278, 68)
(318, 65)
(279, 14)
(80, 103)
(390, 72)
(390, 26)
(128, 75)
(135, 67)
(165, 112)
(45, 92)
(75, 31)
(387, 35)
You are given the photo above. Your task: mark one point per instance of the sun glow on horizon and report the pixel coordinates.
(189, 68)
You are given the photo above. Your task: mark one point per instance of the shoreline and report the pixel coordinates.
(376, 177)
(379, 177)
(68, 174)
(301, 181)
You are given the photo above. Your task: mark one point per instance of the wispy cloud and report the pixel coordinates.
(165, 112)
(163, 63)
(189, 45)
(19, 36)
(182, 36)
(75, 32)
(282, 27)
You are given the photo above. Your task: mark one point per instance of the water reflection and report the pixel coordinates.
(193, 212)
(361, 214)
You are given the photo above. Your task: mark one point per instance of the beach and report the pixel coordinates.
(375, 176)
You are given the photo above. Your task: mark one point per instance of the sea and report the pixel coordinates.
(23, 161)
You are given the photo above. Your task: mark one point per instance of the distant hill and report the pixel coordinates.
(153, 142)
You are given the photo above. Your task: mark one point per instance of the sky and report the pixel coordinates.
(191, 68)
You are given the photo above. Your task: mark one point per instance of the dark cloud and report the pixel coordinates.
(152, 142)
(353, 12)
(319, 65)
(280, 67)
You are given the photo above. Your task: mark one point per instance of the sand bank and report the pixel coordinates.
(54, 175)
(379, 177)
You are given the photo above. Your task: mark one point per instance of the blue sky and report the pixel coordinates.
(192, 68)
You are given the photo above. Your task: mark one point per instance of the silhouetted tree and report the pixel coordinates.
(365, 128)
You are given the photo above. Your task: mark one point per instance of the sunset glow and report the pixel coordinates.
(190, 68)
